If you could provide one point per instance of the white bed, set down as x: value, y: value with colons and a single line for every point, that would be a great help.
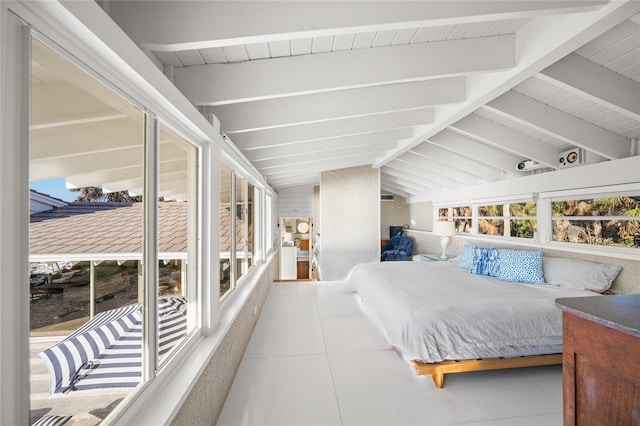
x: 435, y: 311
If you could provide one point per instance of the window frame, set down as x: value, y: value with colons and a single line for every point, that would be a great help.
x: 587, y: 196
x: 193, y: 262
x: 453, y: 207
x: 257, y: 212
x: 543, y: 237
x: 152, y: 368
x: 232, y: 224
x: 507, y: 218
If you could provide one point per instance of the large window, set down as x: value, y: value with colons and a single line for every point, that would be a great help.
x: 510, y: 220
x: 87, y: 285
x: 90, y: 236
x: 613, y: 221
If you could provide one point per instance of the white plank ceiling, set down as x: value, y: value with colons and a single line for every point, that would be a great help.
x: 437, y: 94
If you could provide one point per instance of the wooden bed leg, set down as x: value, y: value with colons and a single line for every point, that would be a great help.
x: 438, y: 379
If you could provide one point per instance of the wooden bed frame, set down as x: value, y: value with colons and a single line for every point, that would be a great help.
x: 437, y: 370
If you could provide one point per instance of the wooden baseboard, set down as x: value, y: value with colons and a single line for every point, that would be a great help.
x: 437, y: 370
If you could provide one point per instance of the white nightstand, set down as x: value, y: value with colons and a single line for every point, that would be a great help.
x: 429, y: 258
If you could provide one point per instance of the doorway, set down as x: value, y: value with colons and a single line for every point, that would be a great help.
x: 295, y: 248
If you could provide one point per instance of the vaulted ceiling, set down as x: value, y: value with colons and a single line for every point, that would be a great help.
x: 437, y: 94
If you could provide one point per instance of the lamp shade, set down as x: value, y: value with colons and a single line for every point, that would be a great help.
x: 444, y: 228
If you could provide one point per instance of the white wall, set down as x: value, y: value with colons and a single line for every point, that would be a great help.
x: 349, y: 219
x: 316, y: 209
x: 615, y: 172
x: 295, y: 202
x: 421, y: 216
x: 394, y: 212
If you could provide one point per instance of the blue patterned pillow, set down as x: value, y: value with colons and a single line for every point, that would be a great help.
x: 466, y: 258
x: 522, y: 266
x: 485, y: 261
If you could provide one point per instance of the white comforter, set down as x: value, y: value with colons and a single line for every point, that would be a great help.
x: 434, y: 311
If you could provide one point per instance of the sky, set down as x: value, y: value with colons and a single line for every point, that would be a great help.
x: 55, y: 188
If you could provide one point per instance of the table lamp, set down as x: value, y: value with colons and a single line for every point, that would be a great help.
x: 444, y: 229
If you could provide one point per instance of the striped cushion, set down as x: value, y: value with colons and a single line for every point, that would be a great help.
x: 52, y: 421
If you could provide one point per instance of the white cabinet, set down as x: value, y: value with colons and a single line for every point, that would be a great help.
x: 288, y: 265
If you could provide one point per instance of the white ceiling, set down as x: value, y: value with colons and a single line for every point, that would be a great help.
x: 437, y: 94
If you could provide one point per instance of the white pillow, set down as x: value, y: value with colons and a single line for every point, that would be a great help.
x: 579, y: 274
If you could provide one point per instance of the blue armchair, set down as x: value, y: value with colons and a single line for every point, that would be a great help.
x: 399, y: 247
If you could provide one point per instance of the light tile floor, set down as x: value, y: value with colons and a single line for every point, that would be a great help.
x: 317, y: 358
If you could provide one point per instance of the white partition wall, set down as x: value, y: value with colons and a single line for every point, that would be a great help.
x: 349, y: 219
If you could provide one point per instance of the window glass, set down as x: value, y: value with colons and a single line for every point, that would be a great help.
x: 226, y: 226
x: 241, y: 215
x: 86, y: 172
x: 268, y: 226
x: 460, y: 215
x: 509, y: 220
x: 611, y: 221
x: 251, y: 221
x: 177, y: 236
x: 116, y: 283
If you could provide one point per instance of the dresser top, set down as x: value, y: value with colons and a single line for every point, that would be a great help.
x: 620, y: 312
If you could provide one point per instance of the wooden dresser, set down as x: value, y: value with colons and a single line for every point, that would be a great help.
x: 601, y: 360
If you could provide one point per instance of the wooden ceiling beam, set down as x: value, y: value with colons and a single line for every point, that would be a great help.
x: 199, y: 25
x: 332, y: 129
x: 363, y: 140
x: 330, y: 155
x: 517, y: 143
x: 219, y: 84
x: 269, y: 113
x: 423, y: 164
x: 477, y: 151
x: 595, y: 83
x: 560, y: 125
x: 399, y: 169
x: 458, y: 162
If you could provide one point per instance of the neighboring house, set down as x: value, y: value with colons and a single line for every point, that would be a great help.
x: 109, y: 235
x: 39, y: 202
